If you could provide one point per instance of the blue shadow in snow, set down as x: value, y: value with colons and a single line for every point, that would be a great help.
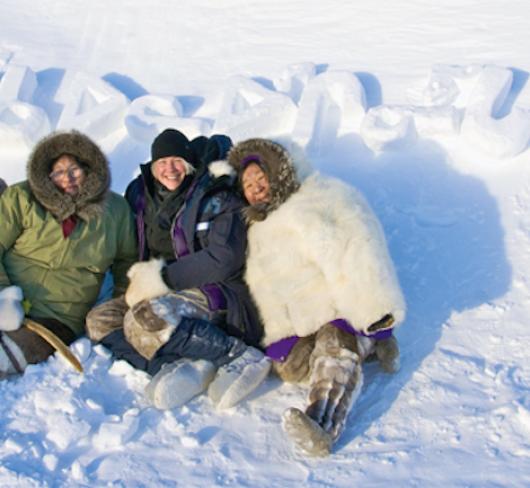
x: 125, y: 84
x: 264, y: 82
x: 445, y: 237
x: 190, y: 104
x: 48, y: 81
x: 520, y: 78
x: 372, y: 88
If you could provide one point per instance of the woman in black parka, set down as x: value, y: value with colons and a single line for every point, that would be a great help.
x: 187, y: 311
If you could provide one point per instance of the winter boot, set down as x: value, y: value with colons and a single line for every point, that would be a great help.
x: 296, y: 368
x: 387, y: 351
x: 315, y: 430
x: 238, y: 378
x: 336, y: 380
x: 177, y: 383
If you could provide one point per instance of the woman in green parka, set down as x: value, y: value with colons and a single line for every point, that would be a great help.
x: 60, y: 231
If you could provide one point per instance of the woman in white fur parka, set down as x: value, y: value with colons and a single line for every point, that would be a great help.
x: 326, y: 289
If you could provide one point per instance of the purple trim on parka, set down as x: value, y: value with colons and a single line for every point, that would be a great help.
x: 251, y: 158
x: 216, y: 298
x: 344, y: 325
x: 279, y: 350
x: 140, y: 222
x: 179, y: 238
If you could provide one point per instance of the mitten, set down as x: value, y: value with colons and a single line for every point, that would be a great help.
x: 145, y: 281
x: 11, y: 310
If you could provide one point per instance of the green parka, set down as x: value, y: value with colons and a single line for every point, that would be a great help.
x: 61, y: 277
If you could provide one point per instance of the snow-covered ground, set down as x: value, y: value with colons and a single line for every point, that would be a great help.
x: 422, y: 105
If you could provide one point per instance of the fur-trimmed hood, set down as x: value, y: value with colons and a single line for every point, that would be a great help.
x: 279, y: 167
x: 92, y: 195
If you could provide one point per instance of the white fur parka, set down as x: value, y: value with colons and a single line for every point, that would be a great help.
x: 319, y: 256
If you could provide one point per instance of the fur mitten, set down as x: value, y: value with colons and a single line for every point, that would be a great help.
x: 145, y: 341
x: 145, y: 281
x: 149, y: 324
x: 11, y: 310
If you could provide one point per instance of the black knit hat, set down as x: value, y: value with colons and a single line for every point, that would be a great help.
x: 172, y: 142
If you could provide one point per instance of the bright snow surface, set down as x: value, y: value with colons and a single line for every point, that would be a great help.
x: 422, y: 105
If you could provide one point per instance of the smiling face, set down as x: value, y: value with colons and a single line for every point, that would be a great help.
x: 255, y: 183
x: 170, y: 171
x: 67, y: 175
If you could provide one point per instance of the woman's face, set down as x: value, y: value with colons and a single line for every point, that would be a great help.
x: 169, y: 171
x: 67, y: 175
x: 255, y: 183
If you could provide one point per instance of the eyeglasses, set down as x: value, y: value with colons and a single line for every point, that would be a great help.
x: 72, y: 172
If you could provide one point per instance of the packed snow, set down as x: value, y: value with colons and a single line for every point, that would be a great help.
x: 424, y: 106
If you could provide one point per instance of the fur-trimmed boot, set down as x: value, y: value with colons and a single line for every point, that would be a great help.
x: 106, y: 318
x: 335, y: 382
x: 296, y: 366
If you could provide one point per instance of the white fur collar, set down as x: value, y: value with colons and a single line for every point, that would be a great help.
x: 221, y: 168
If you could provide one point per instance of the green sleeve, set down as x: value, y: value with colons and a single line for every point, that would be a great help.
x: 10, y: 226
x: 127, y: 253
